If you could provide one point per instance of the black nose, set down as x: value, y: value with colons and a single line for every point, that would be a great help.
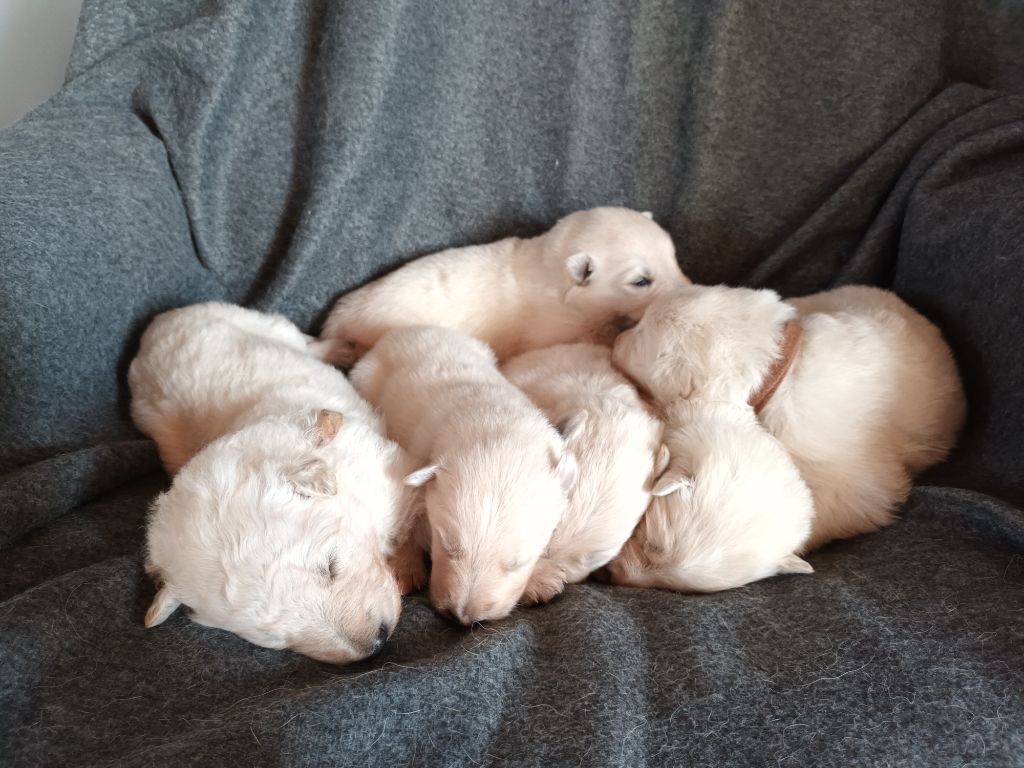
x: 378, y: 644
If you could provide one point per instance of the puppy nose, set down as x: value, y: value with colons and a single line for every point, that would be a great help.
x: 378, y: 643
x: 470, y: 614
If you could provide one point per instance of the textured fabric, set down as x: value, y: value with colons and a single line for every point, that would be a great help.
x: 278, y: 154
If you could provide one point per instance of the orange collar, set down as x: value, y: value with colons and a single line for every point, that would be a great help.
x: 792, y: 336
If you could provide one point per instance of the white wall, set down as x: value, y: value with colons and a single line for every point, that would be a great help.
x: 35, y: 43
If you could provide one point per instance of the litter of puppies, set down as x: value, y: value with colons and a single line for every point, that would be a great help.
x: 498, y: 425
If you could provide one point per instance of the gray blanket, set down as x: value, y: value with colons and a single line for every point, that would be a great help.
x: 277, y: 154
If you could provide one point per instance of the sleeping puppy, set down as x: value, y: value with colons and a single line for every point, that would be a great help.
x: 286, y: 497
x: 496, y: 472
x: 573, y: 283
x: 730, y: 509
x: 859, y: 388
x: 617, y: 444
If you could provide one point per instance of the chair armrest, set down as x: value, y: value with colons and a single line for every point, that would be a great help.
x: 94, y: 240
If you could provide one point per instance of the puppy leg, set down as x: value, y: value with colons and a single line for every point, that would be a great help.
x: 409, y: 565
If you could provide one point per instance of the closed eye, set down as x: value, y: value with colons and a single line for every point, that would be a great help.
x: 642, y: 282
x: 514, y: 565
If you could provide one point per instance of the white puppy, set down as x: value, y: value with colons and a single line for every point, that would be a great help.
x: 730, y: 509
x: 617, y: 443
x: 280, y: 521
x: 573, y: 283
x: 496, y: 472
x: 871, y: 395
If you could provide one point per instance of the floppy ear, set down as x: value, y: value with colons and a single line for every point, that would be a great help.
x: 312, y: 478
x: 326, y: 427
x: 164, y: 604
x: 580, y: 267
x: 422, y: 476
x: 794, y: 564
x: 572, y: 426
x: 676, y: 477
x: 647, y: 215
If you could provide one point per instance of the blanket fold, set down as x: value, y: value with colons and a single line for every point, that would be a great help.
x: 279, y: 154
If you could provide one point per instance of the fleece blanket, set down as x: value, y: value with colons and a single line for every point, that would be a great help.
x: 276, y: 154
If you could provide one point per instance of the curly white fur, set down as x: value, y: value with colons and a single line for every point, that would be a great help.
x: 286, y: 498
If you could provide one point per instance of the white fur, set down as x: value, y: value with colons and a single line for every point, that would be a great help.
x: 730, y: 509
x: 495, y: 470
x: 616, y: 441
x: 572, y: 283
x: 277, y: 525
x: 872, y: 397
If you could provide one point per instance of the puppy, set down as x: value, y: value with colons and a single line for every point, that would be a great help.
x: 861, y: 390
x: 286, y: 496
x: 572, y: 283
x: 496, y: 472
x: 617, y: 444
x: 730, y: 509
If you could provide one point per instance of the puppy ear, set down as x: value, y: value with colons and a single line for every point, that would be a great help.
x: 164, y: 604
x: 422, y: 476
x: 566, y: 468
x: 676, y: 477
x: 647, y: 215
x: 661, y: 461
x: 312, y: 479
x: 580, y: 267
x: 670, y: 482
x: 573, y: 425
x: 794, y: 564
x: 326, y: 427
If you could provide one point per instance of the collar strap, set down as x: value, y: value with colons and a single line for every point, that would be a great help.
x: 792, y: 336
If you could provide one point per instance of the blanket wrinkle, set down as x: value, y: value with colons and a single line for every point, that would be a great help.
x: 280, y: 154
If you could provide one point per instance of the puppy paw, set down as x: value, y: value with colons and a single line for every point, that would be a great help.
x: 546, y: 582
x: 337, y: 352
x: 410, y: 569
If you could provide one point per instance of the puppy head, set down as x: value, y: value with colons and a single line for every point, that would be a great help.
x: 704, y: 341
x: 614, y: 261
x: 279, y: 533
x: 692, y: 541
x: 492, y: 508
x: 619, y: 451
